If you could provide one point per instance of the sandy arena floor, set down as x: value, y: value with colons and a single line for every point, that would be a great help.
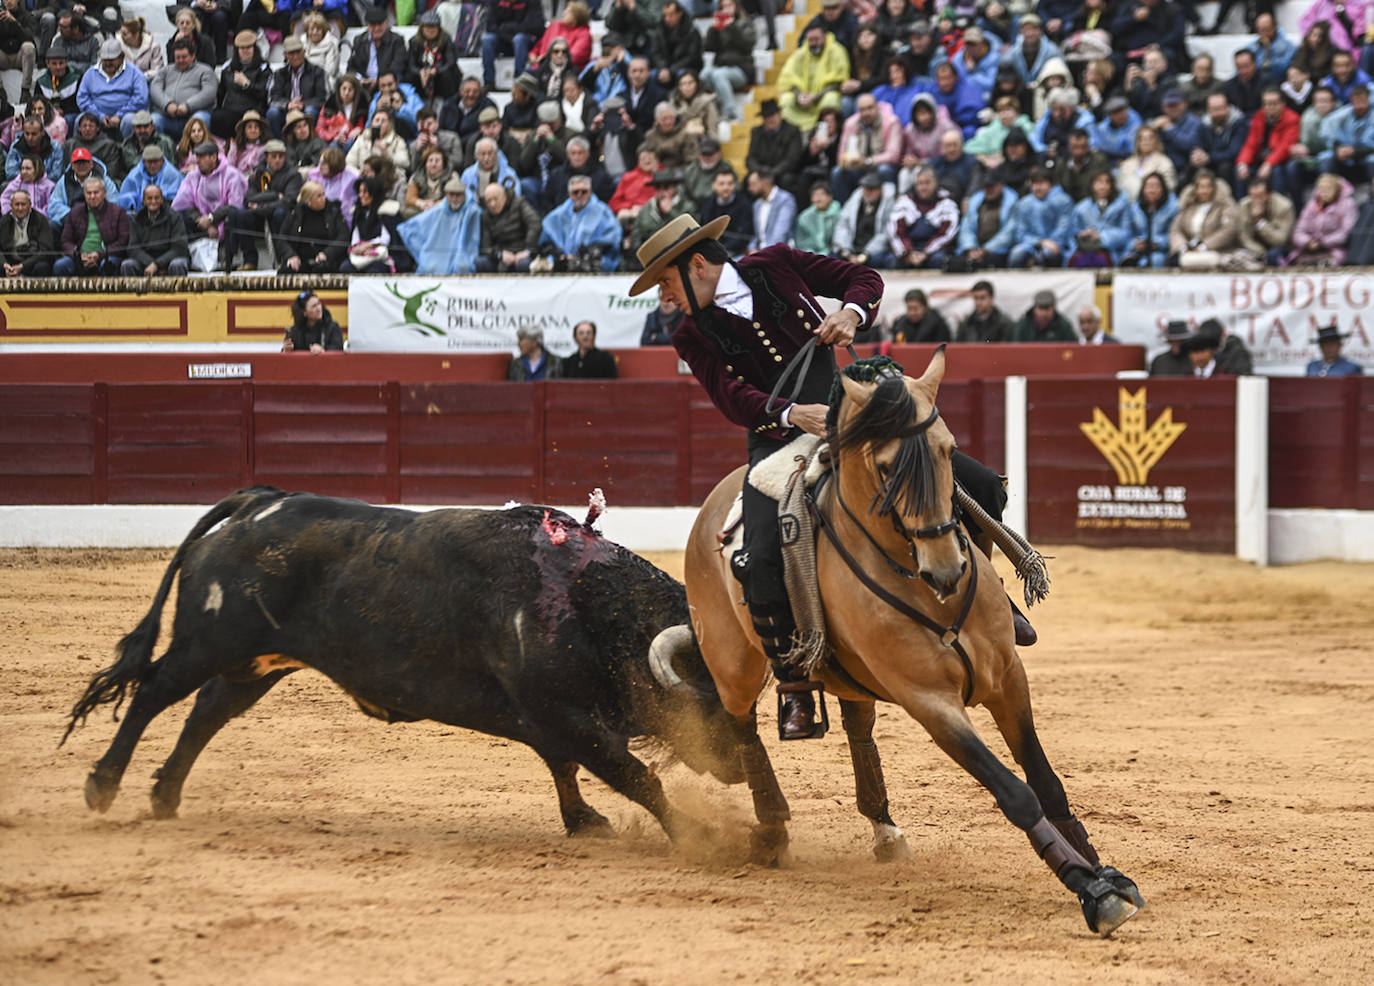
x: 1210, y: 720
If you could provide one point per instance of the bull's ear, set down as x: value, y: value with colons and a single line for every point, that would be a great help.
x: 856, y: 390
x: 935, y: 371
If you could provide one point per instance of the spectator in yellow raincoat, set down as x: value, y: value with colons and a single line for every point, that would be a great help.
x: 811, y: 79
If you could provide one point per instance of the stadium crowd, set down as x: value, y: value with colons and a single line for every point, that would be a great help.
x: 957, y: 135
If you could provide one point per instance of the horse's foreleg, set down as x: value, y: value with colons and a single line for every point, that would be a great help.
x: 1105, y: 907
x: 1011, y: 709
x: 870, y: 790
x: 768, y: 842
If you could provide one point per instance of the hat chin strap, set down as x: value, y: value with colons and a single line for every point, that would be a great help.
x: 684, y: 268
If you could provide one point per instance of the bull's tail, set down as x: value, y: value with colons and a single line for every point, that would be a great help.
x: 135, y: 651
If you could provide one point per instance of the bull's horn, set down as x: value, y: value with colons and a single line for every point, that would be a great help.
x: 667, y: 645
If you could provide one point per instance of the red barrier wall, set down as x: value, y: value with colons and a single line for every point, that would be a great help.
x: 1321, y: 442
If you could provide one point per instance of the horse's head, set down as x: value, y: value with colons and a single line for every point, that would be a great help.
x: 901, y: 450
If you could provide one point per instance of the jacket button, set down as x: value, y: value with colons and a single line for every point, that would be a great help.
x: 756, y: 325
x: 729, y: 368
x: 777, y: 359
x: 806, y: 325
x: 761, y: 332
x: 772, y: 349
x: 766, y: 342
x: 740, y: 379
x: 800, y: 313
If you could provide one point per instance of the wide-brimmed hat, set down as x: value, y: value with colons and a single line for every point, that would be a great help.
x: 668, y: 244
x: 664, y: 177
x: 1177, y: 330
x: 293, y: 117
x: 1207, y: 336
x: 768, y: 107
x: 1330, y: 333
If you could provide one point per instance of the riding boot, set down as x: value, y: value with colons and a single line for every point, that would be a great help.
x: 1025, y: 633
x: 774, y: 624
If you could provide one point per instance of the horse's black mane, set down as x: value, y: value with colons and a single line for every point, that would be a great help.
x: 910, y: 487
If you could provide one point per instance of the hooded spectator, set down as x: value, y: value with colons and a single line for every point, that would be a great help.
x: 447, y: 238
x: 1325, y: 223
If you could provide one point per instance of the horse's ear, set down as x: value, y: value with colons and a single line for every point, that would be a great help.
x: 935, y: 372
x: 857, y: 391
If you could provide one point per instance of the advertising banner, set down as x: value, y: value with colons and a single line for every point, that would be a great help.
x: 1275, y: 313
x: 1133, y: 463
x: 481, y: 314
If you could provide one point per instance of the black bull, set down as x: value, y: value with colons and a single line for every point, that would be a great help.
x: 520, y: 623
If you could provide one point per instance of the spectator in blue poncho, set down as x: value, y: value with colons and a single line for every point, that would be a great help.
x: 153, y: 169
x: 445, y: 239
x: 582, y: 234
x: 490, y: 166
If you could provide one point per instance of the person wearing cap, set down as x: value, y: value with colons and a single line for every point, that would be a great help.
x: 811, y: 77
x: 243, y: 86
x: 1350, y: 136
x: 513, y: 26
x: 1179, y: 130
x: 314, y: 237
x: 1042, y: 322
x: 544, y: 150
x: 144, y: 134
x: 95, y: 235
x: 17, y: 50
x: 605, y: 76
x: 1114, y: 134
x: 464, y: 113
x: 1038, y: 234
x: 519, y: 116
x: 775, y: 144
x: 33, y: 140
x: 447, y: 238
x: 153, y: 168
x: 491, y: 128
x: 303, y: 145
x: 1202, y: 349
x: 297, y: 86
x: 582, y: 234
x: 699, y: 176
x: 1173, y: 362
x: 273, y: 189
x: 114, y: 90
x: 1031, y: 50
x: 732, y: 37
x: 919, y: 49
x: 836, y: 20
x: 71, y: 187
x: 977, y: 61
x: 208, y: 192
x: 666, y: 205
x: 1332, y: 363
x: 58, y: 81
x: 989, y: 211
x: 157, y: 238
x: 380, y: 50
x: 28, y: 246
x: 861, y: 232
x: 183, y: 89
x: 431, y: 61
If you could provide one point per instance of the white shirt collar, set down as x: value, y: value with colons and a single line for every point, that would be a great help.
x: 732, y: 294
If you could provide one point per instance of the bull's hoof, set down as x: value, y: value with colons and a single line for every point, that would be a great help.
x: 768, y: 846
x: 588, y: 823
x: 1106, y: 908
x: 100, y: 792
x: 165, y: 805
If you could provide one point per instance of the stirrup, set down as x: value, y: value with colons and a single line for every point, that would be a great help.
x: 818, y: 729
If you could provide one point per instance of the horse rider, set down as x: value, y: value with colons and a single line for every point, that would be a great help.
x: 745, y: 321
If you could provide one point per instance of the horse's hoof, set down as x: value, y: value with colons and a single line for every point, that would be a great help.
x: 588, y: 823
x: 99, y: 794
x: 889, y: 845
x: 1124, y: 885
x: 768, y: 846
x: 1112, y: 913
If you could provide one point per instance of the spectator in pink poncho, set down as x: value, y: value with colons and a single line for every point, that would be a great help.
x: 338, y: 179
x: 31, y: 179
x: 209, y: 191
x: 1347, y: 27
x: 1323, y: 229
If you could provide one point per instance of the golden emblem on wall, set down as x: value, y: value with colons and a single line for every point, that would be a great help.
x: 1131, y: 447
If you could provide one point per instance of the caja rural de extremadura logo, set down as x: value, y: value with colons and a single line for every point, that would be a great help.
x: 1132, y: 449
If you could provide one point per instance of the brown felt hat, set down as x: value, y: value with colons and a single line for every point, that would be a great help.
x: 245, y: 38
x: 668, y: 244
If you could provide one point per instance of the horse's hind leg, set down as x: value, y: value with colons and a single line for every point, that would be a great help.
x: 219, y: 700
x: 870, y: 790
x: 176, y: 675
x: 579, y: 818
x: 1105, y: 907
x: 1011, y: 709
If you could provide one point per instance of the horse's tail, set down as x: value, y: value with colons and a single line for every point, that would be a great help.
x: 135, y: 651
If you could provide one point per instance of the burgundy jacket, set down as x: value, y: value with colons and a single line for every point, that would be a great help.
x: 739, y: 361
x: 114, y: 229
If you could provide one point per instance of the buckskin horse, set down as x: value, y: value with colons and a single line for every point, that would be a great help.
x: 934, y: 638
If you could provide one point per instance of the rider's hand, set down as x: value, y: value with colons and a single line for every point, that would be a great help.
x: 810, y: 418
x: 838, y: 329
